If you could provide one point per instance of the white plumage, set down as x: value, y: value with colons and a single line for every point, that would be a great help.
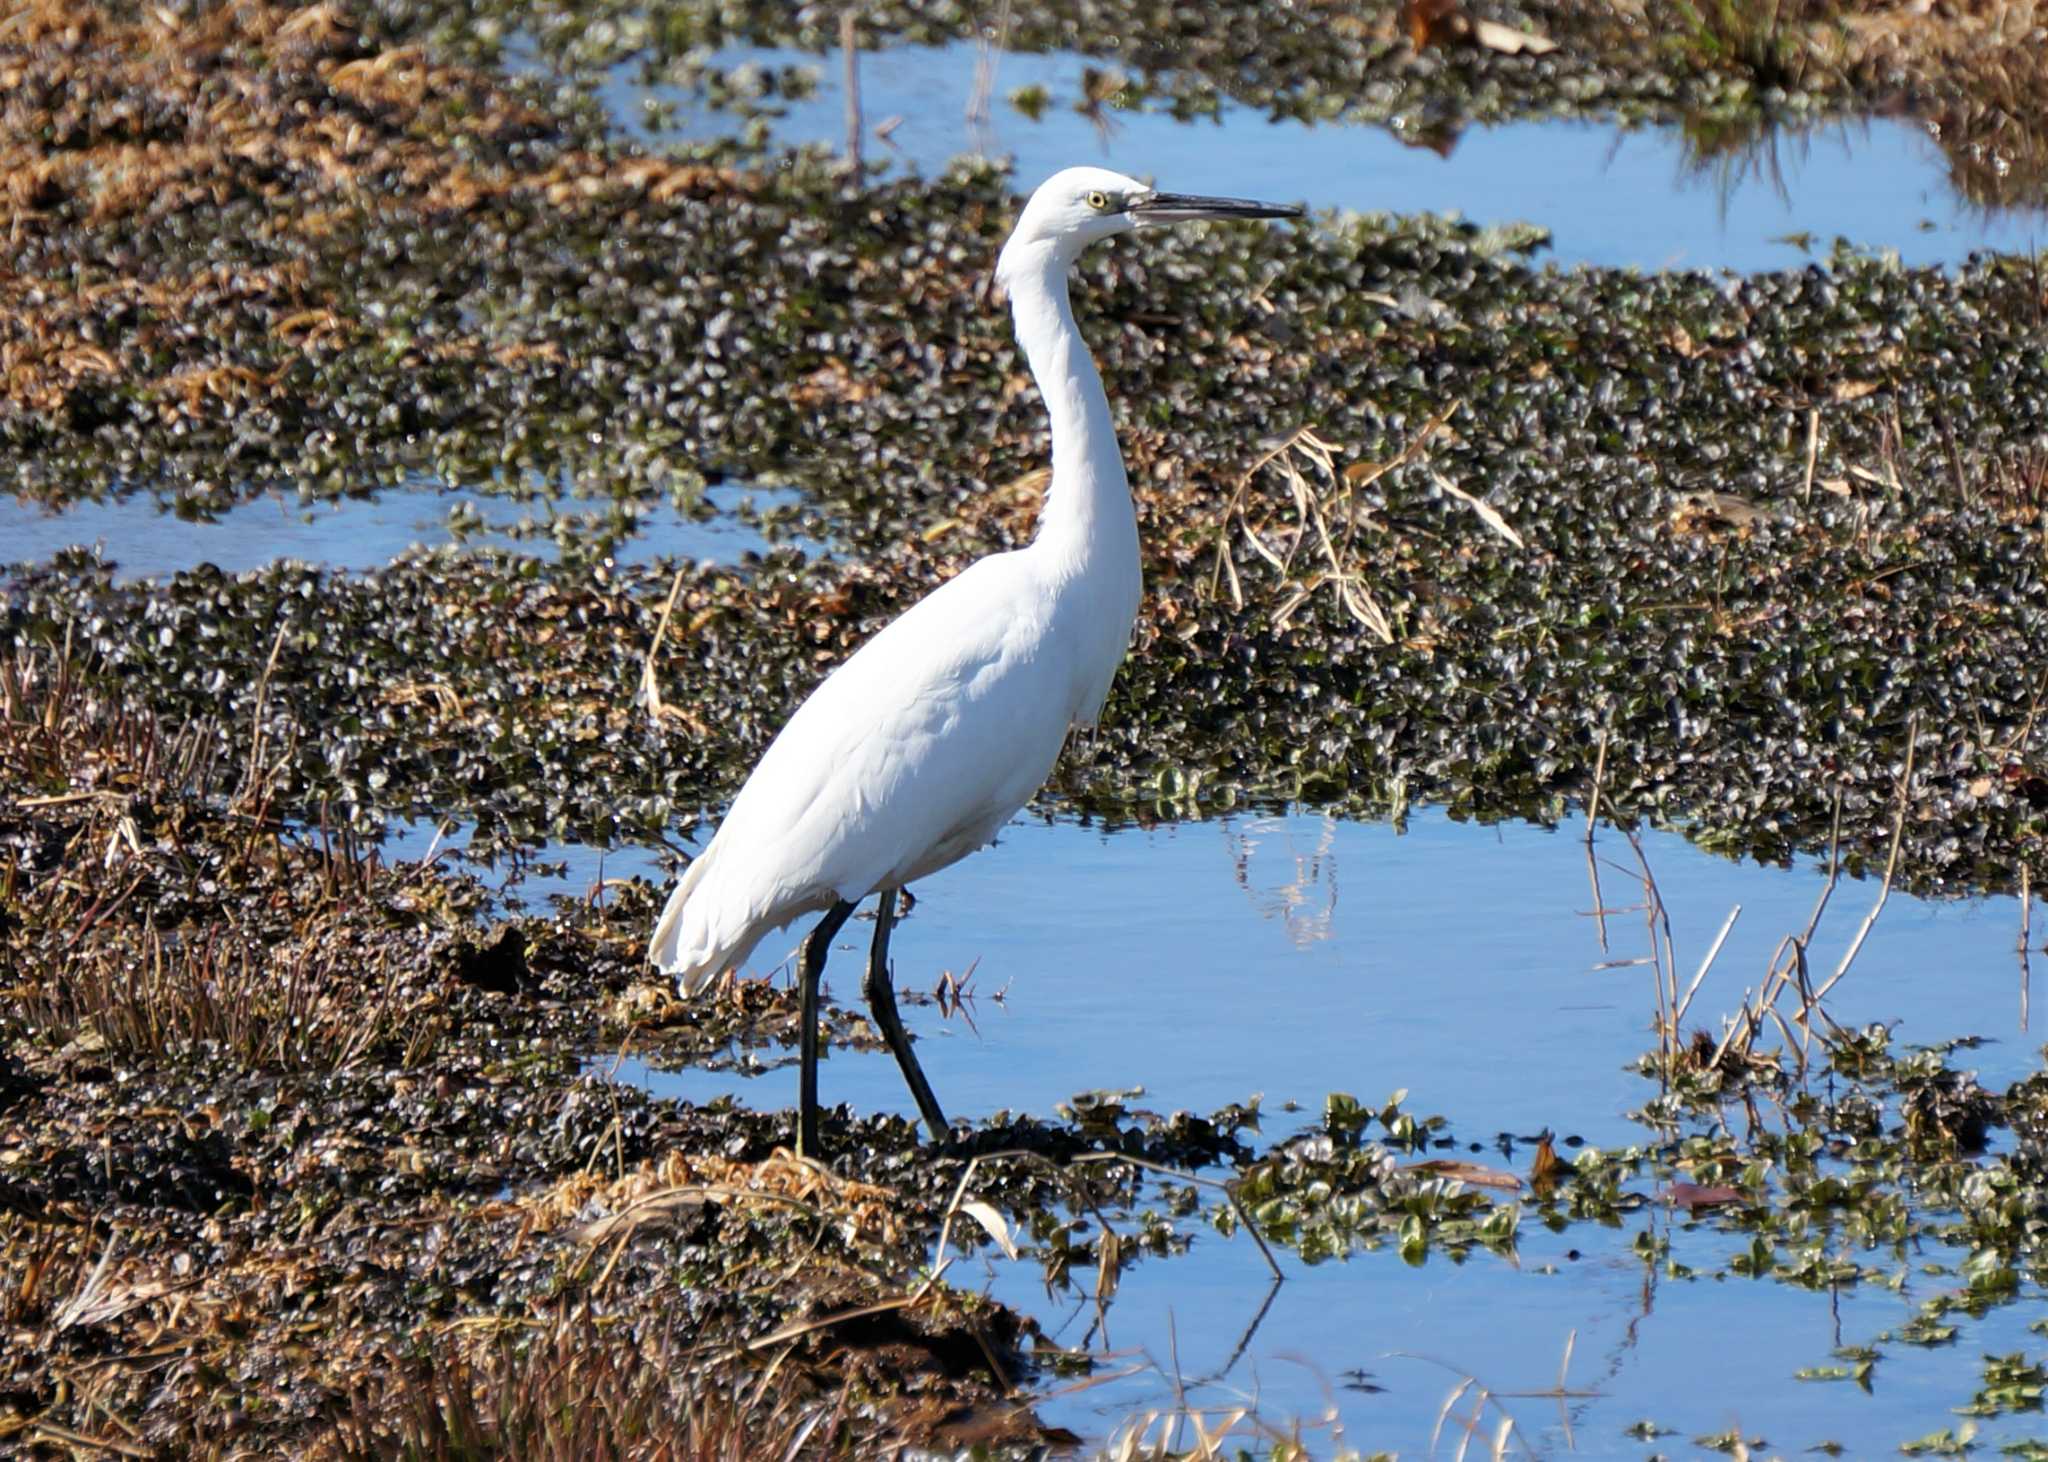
x: 919, y: 748
x: 911, y: 755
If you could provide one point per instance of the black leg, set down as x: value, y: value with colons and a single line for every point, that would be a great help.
x: 882, y: 1001
x: 810, y: 967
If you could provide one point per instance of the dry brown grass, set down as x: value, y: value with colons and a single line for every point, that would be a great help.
x: 578, y: 1388
x: 301, y: 1005
x: 1976, y: 73
x: 1973, y: 72
x: 121, y: 931
x: 864, y: 1210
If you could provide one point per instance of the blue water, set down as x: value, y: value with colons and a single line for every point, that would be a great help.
x: 145, y: 541
x: 1608, y: 194
x: 1291, y: 956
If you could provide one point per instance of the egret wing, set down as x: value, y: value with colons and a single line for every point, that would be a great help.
x: 905, y: 758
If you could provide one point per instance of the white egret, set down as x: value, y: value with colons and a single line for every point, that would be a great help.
x: 919, y: 748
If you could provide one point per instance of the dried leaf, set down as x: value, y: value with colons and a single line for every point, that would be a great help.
x: 1509, y: 41
x: 652, y: 1208
x: 1486, y: 512
x: 1476, y: 1174
x: 1431, y: 22
x: 1851, y: 390
x: 1109, y: 1253
x: 993, y: 1223
x: 1694, y: 1195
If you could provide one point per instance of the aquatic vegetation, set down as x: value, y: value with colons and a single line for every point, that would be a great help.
x: 1883, y: 475
x: 1424, y: 69
x: 1775, y: 41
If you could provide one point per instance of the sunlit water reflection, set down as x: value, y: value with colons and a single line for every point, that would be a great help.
x: 1297, y: 955
x: 1608, y: 194
x: 370, y: 531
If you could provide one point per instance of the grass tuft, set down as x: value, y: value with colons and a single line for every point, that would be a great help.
x: 129, y: 913
x: 578, y: 1388
x: 1776, y: 42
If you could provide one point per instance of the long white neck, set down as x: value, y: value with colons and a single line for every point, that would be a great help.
x: 1088, y: 510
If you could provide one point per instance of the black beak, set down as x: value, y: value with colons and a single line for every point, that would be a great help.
x: 1182, y: 207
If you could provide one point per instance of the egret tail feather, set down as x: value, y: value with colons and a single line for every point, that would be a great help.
x: 680, y: 947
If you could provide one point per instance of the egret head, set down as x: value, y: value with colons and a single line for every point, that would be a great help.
x: 1075, y: 207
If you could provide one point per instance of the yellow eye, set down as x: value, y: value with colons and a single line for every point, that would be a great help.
x: 1099, y: 202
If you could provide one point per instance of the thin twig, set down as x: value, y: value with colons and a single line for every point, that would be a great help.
x: 849, y: 47
x: 1653, y: 914
x: 1812, y: 451
x: 986, y: 56
x: 2026, y: 939
x: 1750, y: 1021
x: 1593, y: 802
x: 1706, y: 964
x: 1780, y: 977
x: 1891, y: 867
x: 650, y: 689
x: 1592, y: 820
x: 1834, y: 871
x: 800, y: 1328
x: 72, y: 1439
x: 253, y: 774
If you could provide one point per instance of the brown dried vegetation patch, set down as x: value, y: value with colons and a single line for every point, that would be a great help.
x: 611, y: 1206
x: 114, y: 124
x: 263, y: 1098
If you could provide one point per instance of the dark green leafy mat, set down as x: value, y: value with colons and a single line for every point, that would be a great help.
x: 1744, y: 659
x: 1739, y: 530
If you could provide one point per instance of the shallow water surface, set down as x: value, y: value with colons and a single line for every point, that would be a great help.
x: 1297, y: 955
x: 369, y: 531
x: 1292, y: 956
x: 1608, y: 194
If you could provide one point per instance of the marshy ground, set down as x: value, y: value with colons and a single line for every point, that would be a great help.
x: 298, y: 1148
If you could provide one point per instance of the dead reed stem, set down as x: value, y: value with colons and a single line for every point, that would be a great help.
x: 650, y: 687
x: 1322, y: 496
x: 1599, y: 776
x: 2026, y: 939
x: 1891, y: 868
x: 1663, y: 976
x: 1713, y: 953
x: 849, y: 50
x: 253, y: 776
x: 1592, y: 820
x: 986, y: 55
